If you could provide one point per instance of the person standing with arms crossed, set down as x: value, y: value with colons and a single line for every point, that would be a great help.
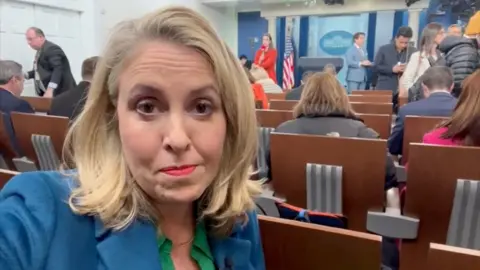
x: 51, y: 68
x: 266, y: 57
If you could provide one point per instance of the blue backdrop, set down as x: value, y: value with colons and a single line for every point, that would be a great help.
x: 250, y: 25
x: 332, y: 36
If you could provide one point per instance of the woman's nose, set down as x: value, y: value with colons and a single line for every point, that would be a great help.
x: 176, y: 138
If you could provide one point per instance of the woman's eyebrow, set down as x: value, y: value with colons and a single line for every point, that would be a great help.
x: 145, y: 89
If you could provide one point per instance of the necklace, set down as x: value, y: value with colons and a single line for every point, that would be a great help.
x: 185, y: 242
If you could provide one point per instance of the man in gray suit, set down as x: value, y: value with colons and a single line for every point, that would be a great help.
x: 357, y: 62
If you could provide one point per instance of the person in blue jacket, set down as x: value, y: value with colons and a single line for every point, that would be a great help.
x: 160, y: 157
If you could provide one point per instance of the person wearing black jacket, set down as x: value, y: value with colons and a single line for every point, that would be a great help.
x: 461, y: 53
x: 71, y: 103
x: 51, y: 68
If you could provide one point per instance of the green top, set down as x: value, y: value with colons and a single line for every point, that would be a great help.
x: 200, y: 251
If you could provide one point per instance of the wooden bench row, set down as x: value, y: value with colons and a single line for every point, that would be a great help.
x: 432, y: 177
x: 27, y: 125
x: 363, y: 163
x: 39, y: 104
x: 296, y: 245
x: 415, y: 126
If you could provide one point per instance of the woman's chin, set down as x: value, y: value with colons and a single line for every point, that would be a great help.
x: 182, y: 194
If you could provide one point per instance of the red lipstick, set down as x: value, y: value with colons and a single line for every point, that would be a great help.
x: 179, y: 170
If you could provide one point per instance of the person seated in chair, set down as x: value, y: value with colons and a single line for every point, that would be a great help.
x: 437, y: 86
x: 70, y: 103
x: 11, y: 87
x: 324, y: 110
x: 296, y: 93
x: 463, y: 127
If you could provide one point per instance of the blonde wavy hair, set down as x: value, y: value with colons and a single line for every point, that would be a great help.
x: 106, y: 188
x: 323, y: 95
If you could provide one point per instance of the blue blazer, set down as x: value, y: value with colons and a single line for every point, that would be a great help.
x: 38, y: 231
x: 437, y: 104
x: 355, y: 72
x: 10, y: 103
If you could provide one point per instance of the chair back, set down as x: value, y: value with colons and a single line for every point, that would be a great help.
x: 434, y: 170
x: 39, y: 104
x: 6, y: 175
x: 362, y: 187
x: 28, y: 125
x: 443, y: 257
x: 370, y: 98
x: 291, y: 244
x: 414, y: 129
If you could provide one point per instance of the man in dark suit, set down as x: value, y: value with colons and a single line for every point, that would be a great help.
x: 296, y: 93
x: 437, y: 86
x: 70, y: 103
x: 391, y: 59
x: 11, y: 87
x: 51, y: 68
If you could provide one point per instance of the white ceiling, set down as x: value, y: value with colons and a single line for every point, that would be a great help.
x: 314, y: 5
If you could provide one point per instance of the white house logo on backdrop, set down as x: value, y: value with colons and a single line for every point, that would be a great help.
x: 336, y: 42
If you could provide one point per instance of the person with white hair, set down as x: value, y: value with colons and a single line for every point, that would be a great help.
x: 261, y: 77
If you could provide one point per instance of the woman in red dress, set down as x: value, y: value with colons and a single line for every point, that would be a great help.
x: 266, y: 57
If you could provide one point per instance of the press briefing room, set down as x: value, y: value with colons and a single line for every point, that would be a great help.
x: 239, y: 134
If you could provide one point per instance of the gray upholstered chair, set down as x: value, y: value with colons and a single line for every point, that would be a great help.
x: 266, y: 204
x: 324, y: 188
x: 263, y: 147
x: 464, y: 227
x: 45, y: 151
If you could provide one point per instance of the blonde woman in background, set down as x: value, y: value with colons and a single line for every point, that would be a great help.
x: 162, y: 167
x: 261, y: 77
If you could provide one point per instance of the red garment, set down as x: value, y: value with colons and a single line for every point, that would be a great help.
x: 268, y: 63
x: 259, y: 94
x: 433, y: 137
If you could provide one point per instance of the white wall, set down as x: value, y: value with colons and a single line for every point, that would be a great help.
x: 383, y: 31
x: 97, y: 17
x: 224, y: 20
x: 69, y: 23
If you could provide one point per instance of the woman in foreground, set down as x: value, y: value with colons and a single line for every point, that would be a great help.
x: 162, y: 168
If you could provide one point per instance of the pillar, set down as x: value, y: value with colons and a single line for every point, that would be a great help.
x: 272, y: 29
x: 414, y: 23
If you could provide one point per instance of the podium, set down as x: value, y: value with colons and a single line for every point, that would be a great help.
x: 316, y: 64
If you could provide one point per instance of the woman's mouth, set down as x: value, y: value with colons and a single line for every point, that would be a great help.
x: 183, y: 170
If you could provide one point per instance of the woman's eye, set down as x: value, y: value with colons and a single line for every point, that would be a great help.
x: 203, y: 107
x: 146, y: 107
